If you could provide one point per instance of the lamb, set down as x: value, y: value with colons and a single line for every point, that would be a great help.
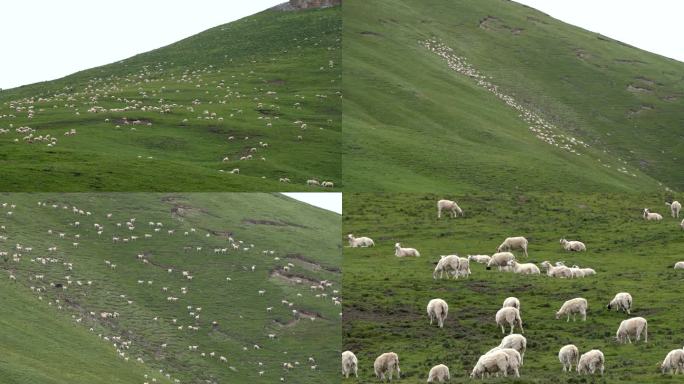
x: 494, y: 362
x: 450, y: 206
x: 621, y: 302
x: 313, y: 182
x: 403, y: 252
x: 511, y: 316
x: 679, y: 265
x: 568, y: 355
x: 437, y: 309
x: 557, y: 271
x: 356, y: 242
x: 328, y: 184
x: 524, y: 269
x: 500, y: 259
x: 438, y: 373
x: 386, y: 364
x: 652, y: 216
x: 517, y: 342
x: 512, y: 243
x: 675, y: 207
x: 573, y: 245
x: 591, y: 361
x: 481, y: 259
x: 511, y: 302
x: 350, y: 364
x: 674, y: 362
x: 573, y: 307
x: 453, y: 264
x: 634, y: 326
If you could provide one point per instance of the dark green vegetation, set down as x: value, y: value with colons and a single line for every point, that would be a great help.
x: 55, y: 326
x: 385, y: 297
x: 413, y: 124
x: 166, y: 119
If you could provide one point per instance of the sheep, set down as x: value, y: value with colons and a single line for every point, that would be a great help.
x: 515, y: 341
x: 675, y: 207
x: 386, y: 364
x: 356, y: 242
x: 481, y: 259
x: 450, y: 206
x: 591, y: 361
x: 350, y: 364
x: 634, y: 326
x: 652, y: 216
x: 679, y: 265
x: 524, y: 269
x: 568, y: 355
x: 511, y: 243
x: 327, y: 184
x: 514, y: 360
x: 673, y: 363
x: 511, y: 316
x: 437, y: 309
x: 403, y: 252
x: 457, y: 266
x: 682, y: 224
x: 313, y: 182
x: 557, y: 271
x: 573, y: 245
x: 621, y: 302
x: 438, y: 373
x: 494, y: 362
x: 573, y: 307
x: 511, y: 302
x: 500, y: 259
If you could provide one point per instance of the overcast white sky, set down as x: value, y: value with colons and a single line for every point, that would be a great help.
x: 332, y: 201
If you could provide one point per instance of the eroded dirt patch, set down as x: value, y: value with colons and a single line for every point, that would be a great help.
x: 310, y: 264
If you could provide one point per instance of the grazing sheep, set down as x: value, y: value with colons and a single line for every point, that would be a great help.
x: 512, y: 243
x: 679, y: 265
x: 449, y: 206
x: 621, y: 302
x: 350, y: 364
x: 437, y: 309
x: 517, y: 342
x: 524, y: 269
x: 327, y: 184
x: 511, y: 302
x: 481, y: 259
x: 673, y: 363
x: 591, y: 361
x: 356, y: 242
x: 652, y: 216
x: 632, y: 327
x: 573, y: 307
x: 568, y: 355
x: 452, y: 264
x: 438, y: 373
x: 511, y: 316
x: 313, y: 182
x: 573, y: 245
x: 491, y: 363
x: 500, y: 259
x: 403, y: 252
x: 675, y: 207
x: 386, y: 364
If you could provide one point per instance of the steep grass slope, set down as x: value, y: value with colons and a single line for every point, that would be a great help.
x: 435, y: 127
x: 177, y: 296
x: 385, y: 297
x: 182, y: 116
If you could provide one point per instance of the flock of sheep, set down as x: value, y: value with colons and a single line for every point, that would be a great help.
x: 507, y: 358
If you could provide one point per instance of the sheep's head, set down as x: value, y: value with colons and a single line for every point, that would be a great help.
x: 610, y: 305
x: 350, y: 236
x: 558, y: 315
x: 397, y: 245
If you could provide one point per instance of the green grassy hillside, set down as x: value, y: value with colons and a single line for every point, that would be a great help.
x: 412, y: 123
x: 55, y: 302
x: 166, y: 119
x: 385, y: 297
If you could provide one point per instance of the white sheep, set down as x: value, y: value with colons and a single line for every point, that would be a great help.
x: 313, y: 182
x: 573, y: 307
x: 449, y: 206
x: 634, y: 326
x: 327, y: 184
x: 511, y: 302
x: 386, y: 364
x: 356, y: 242
x: 573, y: 245
x: 621, y: 302
x: 438, y: 373
x: 517, y: 342
x: 350, y: 364
x: 403, y: 252
x: 512, y: 243
x: 557, y: 271
x: 511, y: 316
x: 437, y: 309
x: 500, y: 259
x: 568, y: 355
x: 452, y: 264
x: 674, y: 362
x: 591, y: 361
x: 491, y: 363
x: 679, y: 265
x: 481, y: 259
x: 652, y: 216
x: 682, y: 224
x: 525, y: 268
x: 675, y: 207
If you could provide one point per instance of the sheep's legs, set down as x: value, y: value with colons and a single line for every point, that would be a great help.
x: 502, y: 329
